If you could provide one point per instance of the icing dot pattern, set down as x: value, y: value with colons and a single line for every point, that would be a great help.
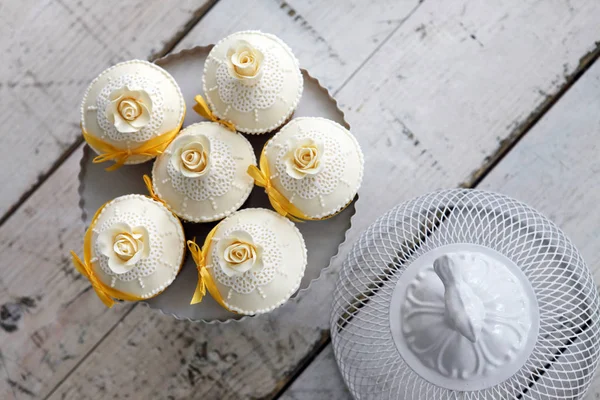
x: 144, y: 267
x: 272, y: 260
x: 133, y: 81
x: 216, y: 182
x: 256, y: 97
x: 321, y: 184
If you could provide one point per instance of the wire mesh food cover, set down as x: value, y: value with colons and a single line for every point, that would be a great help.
x: 465, y: 294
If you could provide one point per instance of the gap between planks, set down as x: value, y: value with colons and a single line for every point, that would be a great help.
x: 166, y: 49
x: 110, y: 330
x: 489, y: 164
x: 519, y: 132
x: 476, y: 178
x: 383, y: 42
x: 323, y: 340
x: 169, y: 46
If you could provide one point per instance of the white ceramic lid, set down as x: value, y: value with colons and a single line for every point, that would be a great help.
x: 213, y: 182
x: 464, y: 317
x: 130, y: 103
x: 137, y: 246
x: 260, y: 285
x: 253, y: 80
x: 333, y: 165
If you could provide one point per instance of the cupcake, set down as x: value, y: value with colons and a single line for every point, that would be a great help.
x: 202, y: 175
x: 311, y: 169
x: 133, y: 249
x: 131, y: 112
x: 252, y: 262
x: 253, y: 80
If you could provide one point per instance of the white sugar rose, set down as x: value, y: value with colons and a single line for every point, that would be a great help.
x: 245, y: 61
x: 129, y: 109
x: 238, y: 253
x: 192, y: 156
x: 124, y: 246
x: 304, y: 158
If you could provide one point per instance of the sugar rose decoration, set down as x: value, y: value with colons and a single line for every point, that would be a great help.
x: 129, y: 109
x: 245, y: 61
x: 124, y: 246
x: 192, y: 157
x: 238, y: 253
x: 304, y: 158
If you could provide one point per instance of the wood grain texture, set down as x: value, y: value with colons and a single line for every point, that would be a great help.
x: 431, y: 95
x: 430, y: 108
x: 555, y: 169
x: 49, y: 319
x: 331, y: 39
x: 320, y: 381
x: 54, y: 337
x: 51, y: 52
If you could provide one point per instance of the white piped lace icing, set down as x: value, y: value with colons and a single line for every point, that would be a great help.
x: 246, y: 98
x: 290, y: 102
x: 156, y: 117
x: 271, y: 257
x: 215, y: 183
x: 321, y: 184
x: 155, y: 259
x: 144, y: 267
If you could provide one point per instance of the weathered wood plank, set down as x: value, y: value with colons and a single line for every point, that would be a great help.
x: 54, y: 337
x: 320, y: 381
x: 430, y: 107
x: 554, y: 168
x: 332, y: 39
x: 48, y: 318
x: 52, y: 50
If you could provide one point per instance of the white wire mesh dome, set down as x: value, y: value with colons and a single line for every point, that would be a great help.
x: 529, y: 326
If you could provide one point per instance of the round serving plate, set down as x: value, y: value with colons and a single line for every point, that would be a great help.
x: 96, y: 187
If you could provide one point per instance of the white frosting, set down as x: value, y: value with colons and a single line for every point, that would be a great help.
x: 158, y: 246
x: 221, y: 188
x: 163, y: 111
x: 333, y: 175
x: 273, y: 276
x: 253, y: 80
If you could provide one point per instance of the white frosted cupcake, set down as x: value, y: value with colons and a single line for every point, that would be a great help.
x: 131, y: 111
x: 316, y: 165
x: 256, y: 259
x: 133, y: 249
x: 253, y: 80
x: 202, y: 175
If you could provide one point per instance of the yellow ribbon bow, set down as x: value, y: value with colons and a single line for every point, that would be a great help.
x: 202, y: 108
x: 262, y: 178
x: 151, y: 191
x: 150, y: 148
x: 205, y: 281
x: 104, y: 292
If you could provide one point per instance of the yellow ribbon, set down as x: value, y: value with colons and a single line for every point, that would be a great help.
x: 104, y: 292
x: 202, y: 108
x: 152, y: 193
x: 205, y: 281
x: 262, y: 178
x: 150, y: 148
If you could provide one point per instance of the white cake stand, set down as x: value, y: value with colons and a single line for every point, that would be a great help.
x: 322, y: 238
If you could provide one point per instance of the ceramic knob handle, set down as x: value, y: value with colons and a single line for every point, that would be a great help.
x: 464, y: 309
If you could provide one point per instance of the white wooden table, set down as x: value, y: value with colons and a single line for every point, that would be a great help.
x: 502, y: 95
